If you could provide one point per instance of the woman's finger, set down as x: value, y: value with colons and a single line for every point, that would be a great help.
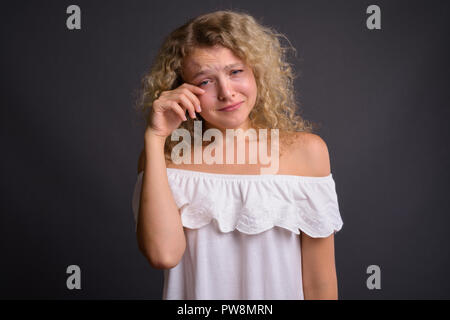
x: 188, y: 104
x: 178, y: 109
x: 194, y: 99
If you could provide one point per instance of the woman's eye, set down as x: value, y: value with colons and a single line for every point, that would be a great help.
x: 206, y: 81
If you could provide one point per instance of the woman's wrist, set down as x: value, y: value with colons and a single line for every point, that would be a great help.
x: 151, y: 135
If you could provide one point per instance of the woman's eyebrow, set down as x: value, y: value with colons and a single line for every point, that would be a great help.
x: 204, y: 71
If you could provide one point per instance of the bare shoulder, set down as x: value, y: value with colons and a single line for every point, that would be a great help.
x: 312, y: 151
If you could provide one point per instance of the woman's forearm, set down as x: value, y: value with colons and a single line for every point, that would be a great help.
x: 321, y: 291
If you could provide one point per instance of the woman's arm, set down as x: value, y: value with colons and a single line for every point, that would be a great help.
x: 318, y: 262
x: 318, y: 268
x: 160, y: 233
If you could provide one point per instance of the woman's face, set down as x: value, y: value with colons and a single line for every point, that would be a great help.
x: 226, y: 81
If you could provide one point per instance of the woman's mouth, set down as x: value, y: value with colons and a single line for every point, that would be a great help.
x: 232, y: 107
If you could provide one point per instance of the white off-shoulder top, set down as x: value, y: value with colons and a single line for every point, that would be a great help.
x: 242, y: 232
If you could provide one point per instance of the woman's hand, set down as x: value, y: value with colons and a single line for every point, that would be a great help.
x: 169, y: 110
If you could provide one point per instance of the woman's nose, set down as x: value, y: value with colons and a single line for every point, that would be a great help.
x: 225, y: 90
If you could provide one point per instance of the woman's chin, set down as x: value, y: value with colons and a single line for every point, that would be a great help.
x: 230, y: 121
x: 231, y: 124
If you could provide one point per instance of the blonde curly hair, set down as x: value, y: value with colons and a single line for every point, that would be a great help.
x: 256, y: 45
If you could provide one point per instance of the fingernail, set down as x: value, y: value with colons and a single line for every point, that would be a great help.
x: 199, y: 109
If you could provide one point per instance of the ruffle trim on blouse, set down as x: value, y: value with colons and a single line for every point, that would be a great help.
x: 253, y: 204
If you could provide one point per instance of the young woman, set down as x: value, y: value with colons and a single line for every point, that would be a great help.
x: 223, y: 230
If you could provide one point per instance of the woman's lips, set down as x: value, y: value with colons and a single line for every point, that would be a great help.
x: 232, y: 108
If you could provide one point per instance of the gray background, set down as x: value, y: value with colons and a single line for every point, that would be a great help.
x: 71, y: 138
